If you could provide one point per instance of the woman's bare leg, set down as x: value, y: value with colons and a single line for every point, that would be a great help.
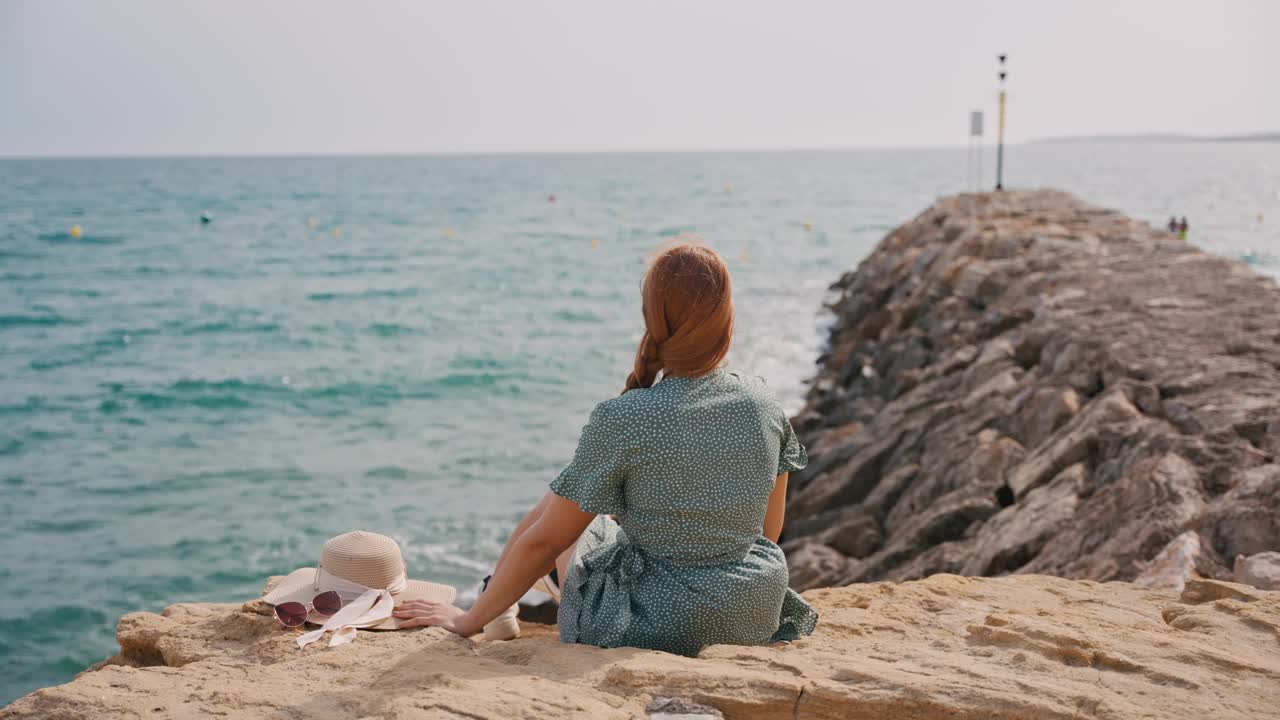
x: 529, y: 519
x: 566, y: 557
x: 562, y: 563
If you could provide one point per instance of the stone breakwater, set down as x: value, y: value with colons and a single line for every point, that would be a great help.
x: 1025, y: 383
x: 1013, y: 648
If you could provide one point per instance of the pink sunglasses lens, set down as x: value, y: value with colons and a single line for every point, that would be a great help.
x: 327, y: 603
x: 292, y: 614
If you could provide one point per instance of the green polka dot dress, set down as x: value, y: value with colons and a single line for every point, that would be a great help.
x: 686, y: 467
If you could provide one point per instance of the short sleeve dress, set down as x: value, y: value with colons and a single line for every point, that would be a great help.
x: 686, y: 467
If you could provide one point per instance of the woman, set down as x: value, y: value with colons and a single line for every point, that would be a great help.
x: 663, y: 529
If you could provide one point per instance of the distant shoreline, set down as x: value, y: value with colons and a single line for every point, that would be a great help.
x: 1163, y: 137
x: 497, y: 153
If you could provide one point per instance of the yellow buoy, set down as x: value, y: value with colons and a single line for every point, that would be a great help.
x: 728, y: 188
x: 743, y: 256
x: 808, y: 226
x: 1259, y: 218
x: 449, y: 232
x: 595, y: 243
x: 76, y: 231
x: 337, y: 232
x: 311, y: 223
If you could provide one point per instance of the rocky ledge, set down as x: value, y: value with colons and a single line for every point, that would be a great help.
x: 1024, y: 383
x: 953, y: 647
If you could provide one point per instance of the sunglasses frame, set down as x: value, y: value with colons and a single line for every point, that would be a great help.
x: 308, y: 608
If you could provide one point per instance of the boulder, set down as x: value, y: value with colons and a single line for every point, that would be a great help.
x: 1261, y: 570
x: 815, y: 565
x: 1175, y: 565
x: 1015, y: 535
x: 1246, y: 519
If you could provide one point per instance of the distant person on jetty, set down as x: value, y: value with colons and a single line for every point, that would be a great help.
x: 662, y: 531
x: 1173, y: 225
x: 1182, y: 228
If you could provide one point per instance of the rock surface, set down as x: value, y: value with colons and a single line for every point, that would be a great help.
x: 954, y: 647
x: 1024, y: 383
x: 1261, y: 570
x: 1176, y: 564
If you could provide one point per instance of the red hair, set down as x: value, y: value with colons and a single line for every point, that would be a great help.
x: 688, y: 315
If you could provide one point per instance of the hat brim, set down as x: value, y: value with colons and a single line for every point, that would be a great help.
x: 298, y: 586
x: 417, y: 590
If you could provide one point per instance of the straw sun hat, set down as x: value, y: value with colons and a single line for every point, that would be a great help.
x: 350, y: 564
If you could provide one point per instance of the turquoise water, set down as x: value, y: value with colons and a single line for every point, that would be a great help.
x: 186, y: 408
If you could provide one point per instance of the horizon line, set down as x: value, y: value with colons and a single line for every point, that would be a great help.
x: 474, y: 153
x: 1258, y: 135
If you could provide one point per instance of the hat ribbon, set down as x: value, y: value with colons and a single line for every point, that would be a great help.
x: 372, y: 606
x: 395, y: 587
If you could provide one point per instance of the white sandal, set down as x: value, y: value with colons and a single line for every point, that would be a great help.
x: 546, y: 585
x: 505, y: 626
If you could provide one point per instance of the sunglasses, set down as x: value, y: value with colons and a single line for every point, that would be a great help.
x: 294, y: 614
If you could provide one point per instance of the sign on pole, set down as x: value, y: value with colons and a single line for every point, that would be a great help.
x: 975, y: 123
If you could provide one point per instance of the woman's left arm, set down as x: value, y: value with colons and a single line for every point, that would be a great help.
x: 777, y: 511
x: 532, y: 556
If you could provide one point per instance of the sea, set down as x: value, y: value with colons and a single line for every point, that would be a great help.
x: 410, y: 344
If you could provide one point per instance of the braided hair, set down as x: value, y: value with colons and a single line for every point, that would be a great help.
x: 688, y: 314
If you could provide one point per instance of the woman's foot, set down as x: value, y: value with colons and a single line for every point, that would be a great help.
x: 550, y: 585
x: 505, y: 626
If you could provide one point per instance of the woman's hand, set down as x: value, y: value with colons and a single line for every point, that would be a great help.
x: 420, y: 613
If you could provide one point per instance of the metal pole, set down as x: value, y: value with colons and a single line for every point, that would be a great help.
x: 975, y: 151
x: 1000, y: 147
x: 968, y: 163
x: 977, y: 165
x: 1000, y: 131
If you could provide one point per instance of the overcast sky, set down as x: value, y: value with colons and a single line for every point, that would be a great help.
x: 249, y: 77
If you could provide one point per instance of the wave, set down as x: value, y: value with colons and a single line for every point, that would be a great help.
x: 475, y: 380
x: 13, y: 321
x: 363, y: 295
x: 78, y: 354
x: 394, y: 330
x: 577, y: 316
x: 1259, y: 259
x: 372, y: 257
x: 238, y: 395
x: 18, y: 255
x: 66, y: 238
x: 475, y: 362
x: 158, y: 401
x: 670, y: 231
x: 223, y: 326
x: 172, y: 486
x: 59, y: 527
x: 56, y: 616
x: 118, y: 339
x: 30, y: 405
